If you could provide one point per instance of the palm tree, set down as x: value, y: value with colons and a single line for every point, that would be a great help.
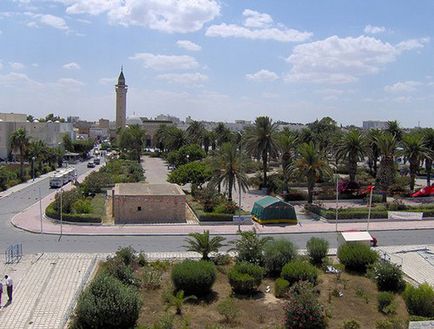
x: 351, y: 147
x: 19, y: 141
x: 178, y: 301
x: 386, y: 144
x: 428, y: 136
x: 287, y: 142
x: 261, y: 142
x: 196, y: 132
x: 202, y: 244
x: 414, y: 149
x: 229, y: 169
x: 394, y: 129
x: 222, y: 134
x: 37, y: 149
x: 372, y: 150
x: 312, y: 164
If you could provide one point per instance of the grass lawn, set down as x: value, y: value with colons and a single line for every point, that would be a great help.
x: 98, y: 206
x: 359, y: 302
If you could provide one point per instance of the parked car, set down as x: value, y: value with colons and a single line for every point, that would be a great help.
x: 91, y: 164
x: 97, y: 161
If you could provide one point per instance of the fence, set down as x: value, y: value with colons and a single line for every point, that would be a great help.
x: 14, y: 253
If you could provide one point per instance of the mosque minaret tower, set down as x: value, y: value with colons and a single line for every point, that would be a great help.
x: 121, y: 101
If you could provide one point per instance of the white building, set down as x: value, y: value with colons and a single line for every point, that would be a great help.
x: 49, y: 132
x: 374, y: 124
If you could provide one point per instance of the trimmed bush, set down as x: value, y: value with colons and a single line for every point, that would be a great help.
x: 388, y: 276
x: 281, y: 287
x: 298, y: 270
x: 385, y: 299
x: 390, y: 324
x: 317, y: 249
x: 303, y: 309
x: 351, y: 324
x: 245, y: 278
x: 356, y: 257
x: 276, y: 254
x: 194, y: 277
x: 420, y: 300
x: 108, y: 304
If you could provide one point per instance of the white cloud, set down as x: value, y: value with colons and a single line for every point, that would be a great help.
x: 257, y: 26
x: 262, y: 75
x: 374, y: 29
x: 166, y: 62
x: 412, y: 44
x: 54, y: 22
x: 184, y: 78
x: 106, y: 81
x: 16, y: 66
x: 71, y: 66
x: 256, y: 19
x: 402, y: 86
x: 342, y: 60
x: 14, y: 79
x: 70, y: 84
x: 236, y: 31
x: 188, y: 45
x: 168, y: 16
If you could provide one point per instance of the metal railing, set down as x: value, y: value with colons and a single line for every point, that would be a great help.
x: 14, y: 253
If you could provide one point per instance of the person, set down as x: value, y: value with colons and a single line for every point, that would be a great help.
x: 1, y: 293
x: 9, y: 288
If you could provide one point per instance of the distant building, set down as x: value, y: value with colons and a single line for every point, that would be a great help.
x: 374, y: 124
x: 140, y: 203
x: 50, y: 133
x: 167, y: 117
x: 72, y: 119
x: 121, y: 101
x: 13, y: 117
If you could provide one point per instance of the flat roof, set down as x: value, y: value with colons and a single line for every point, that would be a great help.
x: 147, y: 189
x: 357, y: 236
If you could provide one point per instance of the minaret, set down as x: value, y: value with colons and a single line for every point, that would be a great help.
x: 121, y: 101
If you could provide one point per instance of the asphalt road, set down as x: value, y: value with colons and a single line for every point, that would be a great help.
x: 32, y: 243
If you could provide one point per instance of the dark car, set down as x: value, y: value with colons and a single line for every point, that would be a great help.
x: 91, y: 164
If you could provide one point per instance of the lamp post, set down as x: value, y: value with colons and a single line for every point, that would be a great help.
x: 33, y: 168
x: 337, y: 200
x: 61, y: 213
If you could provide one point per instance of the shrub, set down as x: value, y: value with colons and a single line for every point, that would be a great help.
x: 245, y: 277
x: 100, y: 304
x: 317, y: 249
x: 390, y: 324
x: 126, y: 254
x: 420, y: 300
x: 82, y: 206
x: 250, y: 247
x: 303, y: 309
x: 281, y: 287
x: 277, y: 253
x: 351, y: 324
x: 356, y: 257
x: 385, y: 299
x: 228, y: 310
x: 299, y: 270
x: 194, y: 277
x: 388, y: 276
x: 151, y: 278
x: 116, y: 268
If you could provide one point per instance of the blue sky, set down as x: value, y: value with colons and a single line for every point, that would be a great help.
x: 220, y: 60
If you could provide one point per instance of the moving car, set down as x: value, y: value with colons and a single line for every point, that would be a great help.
x: 91, y: 164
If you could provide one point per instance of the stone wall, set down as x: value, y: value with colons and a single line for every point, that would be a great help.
x: 143, y: 209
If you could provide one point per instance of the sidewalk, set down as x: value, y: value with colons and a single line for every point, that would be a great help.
x: 22, y: 186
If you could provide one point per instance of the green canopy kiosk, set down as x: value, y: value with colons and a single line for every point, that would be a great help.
x: 270, y: 210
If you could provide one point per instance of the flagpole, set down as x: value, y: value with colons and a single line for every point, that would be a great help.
x: 370, y: 206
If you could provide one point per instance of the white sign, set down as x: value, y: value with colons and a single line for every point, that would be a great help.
x: 242, y: 219
x: 404, y: 215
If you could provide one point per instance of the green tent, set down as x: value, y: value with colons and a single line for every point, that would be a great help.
x: 273, y: 210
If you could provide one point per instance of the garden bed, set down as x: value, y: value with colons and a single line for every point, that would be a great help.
x: 204, y: 216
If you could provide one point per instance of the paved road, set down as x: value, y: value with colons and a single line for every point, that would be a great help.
x: 32, y: 243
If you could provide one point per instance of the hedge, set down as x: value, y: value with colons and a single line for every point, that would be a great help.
x: 74, y: 218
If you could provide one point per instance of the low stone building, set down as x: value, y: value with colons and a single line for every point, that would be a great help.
x: 140, y: 203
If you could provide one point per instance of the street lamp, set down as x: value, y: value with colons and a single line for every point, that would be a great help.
x: 61, y: 213
x: 33, y: 168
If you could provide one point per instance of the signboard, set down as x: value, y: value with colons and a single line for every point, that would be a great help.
x: 242, y: 218
x: 405, y: 215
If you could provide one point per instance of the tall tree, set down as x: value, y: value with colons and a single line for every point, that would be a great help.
x: 261, y: 142
x: 20, y: 141
x: 287, y: 142
x: 351, y: 148
x: 229, y: 169
x: 372, y: 150
x: 38, y: 150
x: 196, y: 132
x: 312, y: 164
x: 132, y: 139
x: 222, y: 134
x: 323, y: 131
x: 395, y: 130
x: 386, y: 144
x: 415, y: 150
x: 428, y: 136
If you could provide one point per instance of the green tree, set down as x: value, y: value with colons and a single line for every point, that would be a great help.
x: 351, y: 148
x: 222, y: 134
x: 287, y: 142
x: 195, y: 173
x: 250, y: 247
x: 67, y: 143
x: 20, y: 141
x: 178, y: 300
x: 428, y: 136
x: 203, y: 244
x: 229, y: 169
x: 39, y: 150
x: 261, y: 142
x: 386, y: 174
x: 312, y: 164
x: 372, y: 150
x: 132, y: 139
x: 196, y: 132
x: 395, y: 130
x: 414, y: 149
x: 323, y: 132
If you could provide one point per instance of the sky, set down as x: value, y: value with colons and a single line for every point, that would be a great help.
x: 294, y: 61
